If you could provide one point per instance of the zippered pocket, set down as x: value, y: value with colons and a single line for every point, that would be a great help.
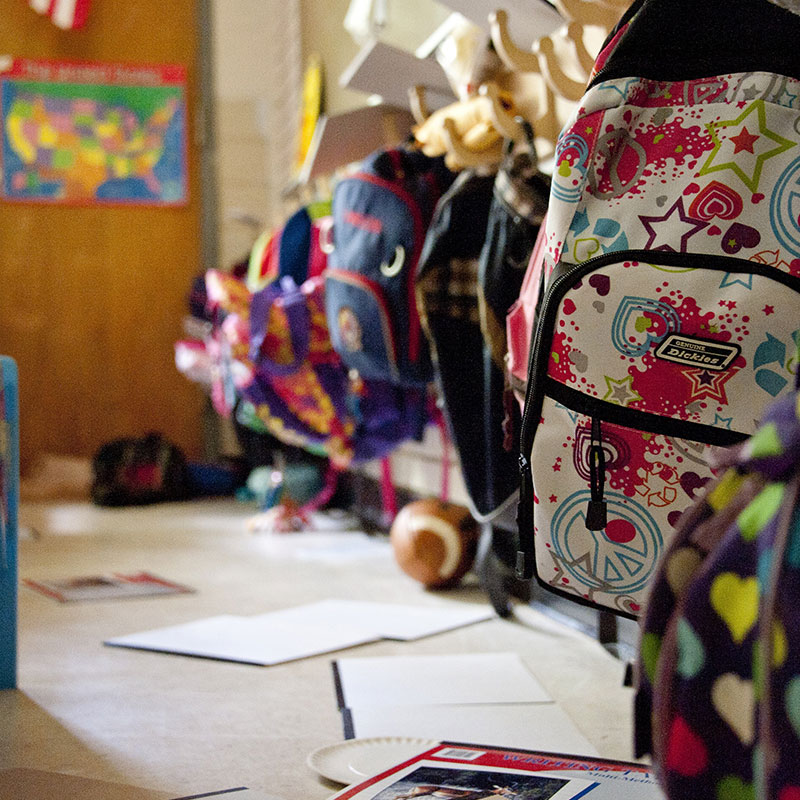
x: 360, y: 325
x: 696, y: 338
x: 663, y: 349
x: 607, y: 495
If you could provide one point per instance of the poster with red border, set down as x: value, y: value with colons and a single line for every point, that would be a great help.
x: 105, y: 587
x: 474, y: 772
x: 82, y: 133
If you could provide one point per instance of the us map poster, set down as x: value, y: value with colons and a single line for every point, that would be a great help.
x: 93, y: 134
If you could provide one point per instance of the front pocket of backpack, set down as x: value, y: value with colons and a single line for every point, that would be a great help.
x: 360, y: 325
x: 645, y: 481
x: 686, y: 337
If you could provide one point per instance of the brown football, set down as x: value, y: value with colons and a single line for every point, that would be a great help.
x: 434, y: 542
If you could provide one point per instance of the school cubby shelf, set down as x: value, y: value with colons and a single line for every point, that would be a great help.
x: 384, y: 69
x: 531, y: 18
x: 341, y: 139
x: 9, y: 484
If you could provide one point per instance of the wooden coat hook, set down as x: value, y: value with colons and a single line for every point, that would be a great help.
x: 462, y: 153
x: 544, y: 60
x: 514, y: 57
x: 554, y: 73
x: 524, y: 96
x: 590, y: 12
x: 500, y: 113
x: 418, y: 104
x: 575, y: 33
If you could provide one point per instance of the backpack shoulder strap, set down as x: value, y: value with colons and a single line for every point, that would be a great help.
x: 684, y: 39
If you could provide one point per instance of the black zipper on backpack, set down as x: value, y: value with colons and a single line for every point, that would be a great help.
x: 564, y: 276
x: 600, y: 411
x: 603, y: 411
x: 596, y: 511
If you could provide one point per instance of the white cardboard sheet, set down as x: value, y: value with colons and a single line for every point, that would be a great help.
x: 300, y: 632
x: 251, y: 641
x: 386, y: 620
x: 532, y: 726
x: 419, y: 680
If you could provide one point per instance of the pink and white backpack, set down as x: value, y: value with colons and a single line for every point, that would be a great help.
x: 667, y: 287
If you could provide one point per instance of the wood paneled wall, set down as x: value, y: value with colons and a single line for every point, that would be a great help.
x: 92, y: 299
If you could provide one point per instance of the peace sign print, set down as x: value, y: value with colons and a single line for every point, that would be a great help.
x: 618, y: 559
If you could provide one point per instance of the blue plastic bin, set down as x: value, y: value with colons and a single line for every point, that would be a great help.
x: 9, y: 489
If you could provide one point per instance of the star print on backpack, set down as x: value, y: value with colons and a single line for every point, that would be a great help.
x: 666, y: 284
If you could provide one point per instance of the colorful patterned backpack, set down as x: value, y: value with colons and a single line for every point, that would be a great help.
x: 299, y: 387
x: 670, y: 275
x: 718, y: 683
x: 302, y: 393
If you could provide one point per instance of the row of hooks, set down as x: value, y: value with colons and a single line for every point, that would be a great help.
x: 540, y: 85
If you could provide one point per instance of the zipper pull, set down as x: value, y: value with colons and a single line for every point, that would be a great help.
x: 596, y: 516
x: 525, y: 555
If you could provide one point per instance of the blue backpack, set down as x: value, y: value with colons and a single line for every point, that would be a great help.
x: 380, y: 218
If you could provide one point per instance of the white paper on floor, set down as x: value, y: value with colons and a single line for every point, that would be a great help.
x: 437, y: 680
x: 530, y: 726
x: 302, y: 631
x: 484, y: 698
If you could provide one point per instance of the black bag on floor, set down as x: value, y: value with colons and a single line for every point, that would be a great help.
x: 138, y: 471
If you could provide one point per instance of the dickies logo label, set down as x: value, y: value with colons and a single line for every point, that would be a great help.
x: 701, y: 353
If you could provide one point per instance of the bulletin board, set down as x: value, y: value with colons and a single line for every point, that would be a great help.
x: 93, y: 134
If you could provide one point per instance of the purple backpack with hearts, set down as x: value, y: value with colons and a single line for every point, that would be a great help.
x: 717, y: 701
x: 668, y: 283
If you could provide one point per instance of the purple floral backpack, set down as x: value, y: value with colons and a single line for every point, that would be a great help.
x: 670, y: 287
x: 718, y: 684
x: 304, y: 395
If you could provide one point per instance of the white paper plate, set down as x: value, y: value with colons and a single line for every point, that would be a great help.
x: 355, y: 759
